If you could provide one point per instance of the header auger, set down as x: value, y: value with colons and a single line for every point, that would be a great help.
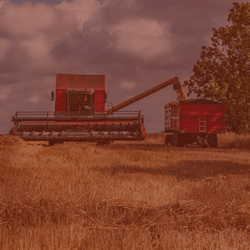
x: 82, y: 113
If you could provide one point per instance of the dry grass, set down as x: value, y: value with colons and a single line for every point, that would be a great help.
x: 124, y: 196
x: 231, y: 140
x: 227, y: 140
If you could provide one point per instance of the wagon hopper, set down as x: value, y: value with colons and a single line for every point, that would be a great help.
x: 194, y: 121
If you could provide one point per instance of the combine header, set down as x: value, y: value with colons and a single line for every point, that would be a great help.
x: 82, y: 113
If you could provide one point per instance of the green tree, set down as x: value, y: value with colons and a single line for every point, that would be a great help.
x: 223, y: 71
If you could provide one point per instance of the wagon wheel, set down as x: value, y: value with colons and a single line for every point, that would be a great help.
x: 181, y: 140
x: 178, y: 140
x: 171, y: 139
x: 175, y: 139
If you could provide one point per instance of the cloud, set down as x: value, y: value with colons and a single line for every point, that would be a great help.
x: 5, y: 46
x: 34, y: 99
x: 128, y: 85
x: 141, y: 27
x: 144, y: 38
x: 5, y: 93
x: 136, y: 44
x: 82, y: 9
x: 2, y: 3
x: 28, y: 33
x: 29, y: 21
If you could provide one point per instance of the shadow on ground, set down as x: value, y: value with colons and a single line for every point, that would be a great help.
x: 164, y: 148
x: 193, y: 170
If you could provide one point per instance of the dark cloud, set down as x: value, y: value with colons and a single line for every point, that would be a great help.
x: 137, y: 44
x: 40, y: 1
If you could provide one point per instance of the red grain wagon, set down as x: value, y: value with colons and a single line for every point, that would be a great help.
x: 194, y: 121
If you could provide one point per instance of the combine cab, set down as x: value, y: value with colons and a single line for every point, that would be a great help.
x: 82, y: 113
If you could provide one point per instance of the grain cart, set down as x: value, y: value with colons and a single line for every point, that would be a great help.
x: 194, y: 121
x: 82, y: 113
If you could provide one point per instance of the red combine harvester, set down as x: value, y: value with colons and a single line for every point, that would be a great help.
x: 82, y: 113
x: 194, y: 121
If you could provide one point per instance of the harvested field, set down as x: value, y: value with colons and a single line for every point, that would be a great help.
x: 127, y: 195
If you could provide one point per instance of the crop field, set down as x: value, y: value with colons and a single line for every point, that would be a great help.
x: 128, y: 195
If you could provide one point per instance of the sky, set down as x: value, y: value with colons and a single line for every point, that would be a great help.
x: 137, y: 44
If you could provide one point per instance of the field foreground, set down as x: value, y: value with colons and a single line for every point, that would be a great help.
x: 124, y: 196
